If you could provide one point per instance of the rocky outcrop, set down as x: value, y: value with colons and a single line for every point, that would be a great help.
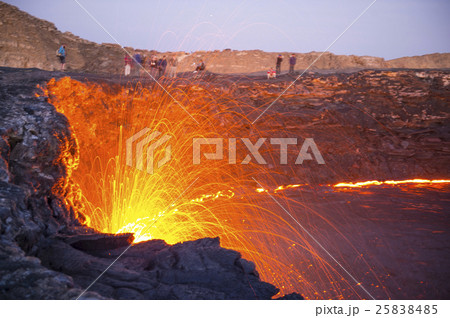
x: 26, y: 41
x: 252, y: 61
x: 154, y: 270
x: 426, y: 61
x: 32, y: 138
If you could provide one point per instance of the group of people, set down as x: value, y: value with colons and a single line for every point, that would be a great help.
x: 292, y: 61
x: 156, y: 67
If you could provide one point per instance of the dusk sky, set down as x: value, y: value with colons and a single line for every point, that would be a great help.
x: 389, y: 29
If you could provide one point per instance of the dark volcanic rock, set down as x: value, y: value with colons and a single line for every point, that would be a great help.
x: 98, y: 242
x: 23, y: 277
x: 31, y: 143
x: 293, y: 296
x: 154, y: 270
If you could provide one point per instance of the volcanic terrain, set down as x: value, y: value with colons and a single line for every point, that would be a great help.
x: 68, y: 202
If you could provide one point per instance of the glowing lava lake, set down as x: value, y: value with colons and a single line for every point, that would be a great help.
x: 384, y: 234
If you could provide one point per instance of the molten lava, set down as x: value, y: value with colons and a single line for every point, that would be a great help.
x: 389, y: 182
x: 361, y: 184
x: 181, y: 201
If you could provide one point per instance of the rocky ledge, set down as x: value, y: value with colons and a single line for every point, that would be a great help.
x: 26, y: 41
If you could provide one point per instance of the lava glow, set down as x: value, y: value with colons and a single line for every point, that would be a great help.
x: 361, y: 184
x: 139, y: 227
x: 389, y: 182
x: 182, y: 201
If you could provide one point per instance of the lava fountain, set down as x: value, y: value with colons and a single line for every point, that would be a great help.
x: 182, y: 201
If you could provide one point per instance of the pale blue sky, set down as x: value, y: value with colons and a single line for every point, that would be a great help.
x: 390, y: 28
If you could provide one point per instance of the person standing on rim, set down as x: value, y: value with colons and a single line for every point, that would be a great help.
x: 154, y: 67
x: 279, y: 60
x: 137, y: 63
x: 127, y: 60
x: 159, y: 66
x: 163, y: 66
x: 292, y: 62
x: 61, y: 53
x: 173, y: 63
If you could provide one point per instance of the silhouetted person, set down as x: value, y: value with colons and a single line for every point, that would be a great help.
x: 61, y: 53
x: 137, y: 61
x: 159, y: 65
x: 200, y: 67
x: 279, y: 60
x: 292, y: 62
x: 143, y: 62
x: 154, y: 66
x: 173, y: 63
x: 163, y: 65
